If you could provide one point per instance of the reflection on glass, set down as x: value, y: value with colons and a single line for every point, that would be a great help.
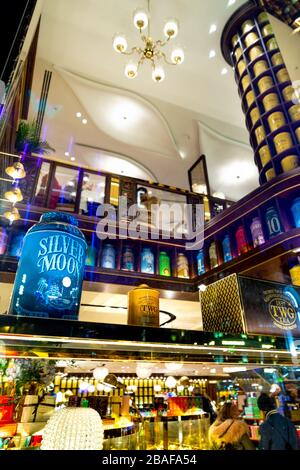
x: 41, y: 188
x: 92, y: 193
x: 64, y: 189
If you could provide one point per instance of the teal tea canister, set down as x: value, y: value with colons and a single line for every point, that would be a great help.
x: 296, y: 211
x: 50, y: 271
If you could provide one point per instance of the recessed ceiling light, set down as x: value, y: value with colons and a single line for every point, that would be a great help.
x: 67, y: 154
x: 78, y: 115
x: 213, y: 28
x: 230, y: 3
x: 125, y: 117
x: 84, y: 121
x: 73, y: 159
x: 224, y: 71
x: 238, y: 177
x: 122, y: 171
x: 182, y: 154
x: 212, y: 54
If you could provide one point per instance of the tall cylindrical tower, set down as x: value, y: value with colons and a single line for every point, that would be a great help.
x: 268, y: 98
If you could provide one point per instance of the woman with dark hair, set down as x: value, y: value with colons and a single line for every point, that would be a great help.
x: 228, y: 432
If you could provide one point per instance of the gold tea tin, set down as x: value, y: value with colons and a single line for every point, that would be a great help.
x: 276, y: 120
x: 277, y: 59
x: 267, y: 29
x: 262, y: 17
x: 289, y: 163
x: 265, y: 84
x: 272, y: 44
x: 250, y: 97
x: 241, y: 67
x: 143, y: 306
x: 270, y: 174
x: 254, y: 116
x: 265, y: 155
x: 260, y: 67
x: 246, y: 82
x: 295, y: 275
x: 270, y: 101
x: 235, y: 40
x: 260, y: 134
x: 283, y: 76
x: 298, y: 134
x: 250, y: 39
x: 288, y: 93
x: 255, y: 52
x: 247, y: 25
x: 294, y: 112
x: 283, y: 141
x: 238, y: 53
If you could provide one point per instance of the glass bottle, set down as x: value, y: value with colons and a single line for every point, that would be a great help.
x: 164, y: 264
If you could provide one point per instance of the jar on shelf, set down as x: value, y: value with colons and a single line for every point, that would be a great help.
x: 294, y: 112
x: 241, y: 241
x: 273, y: 222
x: 277, y: 59
x: 276, y: 121
x: 272, y: 44
x: 3, y: 240
x: 296, y: 211
x: 255, y: 52
x: 16, y: 244
x: 108, y: 257
x: 91, y: 255
x: 200, y: 263
x: 262, y: 17
x: 283, y: 76
x: 283, y: 141
x: 143, y: 306
x: 270, y: 174
x: 213, y: 257
x: 267, y: 30
x: 265, y: 155
x: 260, y: 67
x: 50, y: 272
x: 289, y: 163
x: 251, y: 38
x: 260, y: 134
x: 250, y: 98
x: 254, y: 116
x: 257, y: 232
x: 295, y: 275
x: 270, y: 101
x: 265, y: 83
x: 241, y: 66
x: 288, y: 93
x: 147, y: 261
x: 227, y: 256
x: 247, y: 26
x: 245, y: 82
x: 164, y: 264
x: 127, y: 259
x: 182, y: 266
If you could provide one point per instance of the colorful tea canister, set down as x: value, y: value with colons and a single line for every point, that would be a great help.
x: 272, y: 44
x: 247, y: 26
x: 200, y: 263
x: 250, y: 39
x: 241, y: 241
x: 273, y: 222
x: 3, y: 240
x: 260, y: 134
x: 91, y: 255
x: 276, y: 121
x: 298, y: 134
x: 296, y: 211
x: 260, y: 67
x: 265, y: 84
x: 270, y: 174
x: 283, y: 76
x: 294, y: 112
x: 108, y: 257
x: 147, y: 261
x: 277, y: 59
x: 241, y: 67
x: 262, y: 17
x: 283, y: 141
x: 182, y: 266
x: 288, y: 93
x: 235, y: 40
x: 257, y: 232
x: 245, y: 82
x: 254, y: 116
x: 16, y: 244
x: 267, y: 30
x: 50, y: 271
x: 143, y: 306
x: 265, y: 155
x: 238, y: 53
x: 270, y: 101
x: 127, y: 259
x: 295, y: 275
x: 289, y: 163
x: 227, y: 256
x: 213, y: 257
x: 250, y: 97
x: 255, y: 52
x: 164, y: 264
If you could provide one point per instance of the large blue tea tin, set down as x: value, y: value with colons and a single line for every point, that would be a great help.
x: 273, y: 222
x: 50, y: 271
x: 200, y: 263
x: 296, y: 211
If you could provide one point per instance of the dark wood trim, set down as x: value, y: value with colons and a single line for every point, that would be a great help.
x: 29, y: 73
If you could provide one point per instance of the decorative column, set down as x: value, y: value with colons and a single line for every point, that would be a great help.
x: 269, y: 102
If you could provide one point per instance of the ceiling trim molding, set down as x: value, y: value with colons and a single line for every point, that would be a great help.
x: 223, y: 137
x: 131, y: 94
x: 112, y: 153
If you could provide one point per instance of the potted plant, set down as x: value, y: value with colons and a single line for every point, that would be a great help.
x: 28, y: 140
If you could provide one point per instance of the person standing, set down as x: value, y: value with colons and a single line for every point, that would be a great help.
x: 277, y: 432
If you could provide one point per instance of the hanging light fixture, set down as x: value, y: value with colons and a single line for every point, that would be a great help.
x: 171, y: 382
x: 12, y: 215
x: 143, y: 371
x: 150, y: 50
x: 16, y: 171
x: 14, y: 196
x: 100, y: 373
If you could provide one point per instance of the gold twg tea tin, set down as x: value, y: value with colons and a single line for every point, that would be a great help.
x: 235, y: 40
x: 277, y: 59
x: 247, y: 26
x: 298, y: 134
x: 288, y: 93
x: 272, y: 44
x: 265, y: 84
x: 289, y: 163
x: 270, y: 174
x: 265, y: 155
x: 267, y: 29
x: 254, y: 116
x: 295, y: 275
x: 294, y: 112
x: 241, y: 67
x: 283, y: 76
x: 262, y: 17
x: 143, y: 306
x: 245, y: 82
x: 276, y: 120
x: 260, y: 134
x: 270, y: 101
x: 283, y: 141
x: 250, y: 97
x: 250, y: 39
x: 255, y: 52
x: 260, y: 67
x: 238, y: 53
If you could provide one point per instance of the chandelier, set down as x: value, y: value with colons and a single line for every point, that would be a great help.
x: 151, y: 49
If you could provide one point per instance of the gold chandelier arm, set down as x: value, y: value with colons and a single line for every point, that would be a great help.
x: 161, y: 43
x: 133, y: 50
x: 162, y: 54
